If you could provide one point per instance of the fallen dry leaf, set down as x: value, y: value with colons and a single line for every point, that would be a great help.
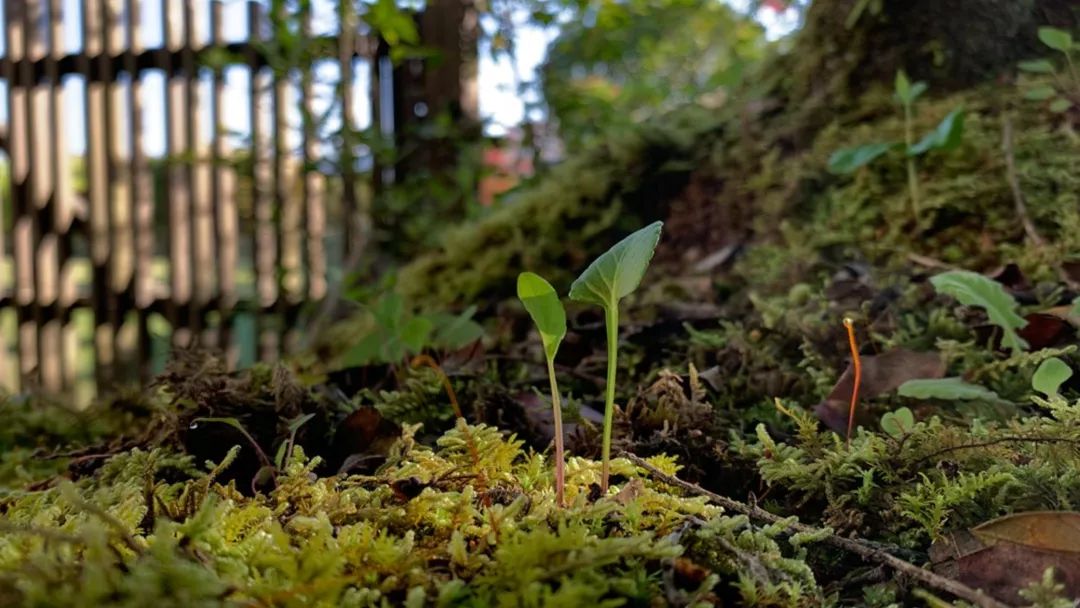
x: 1007, y: 554
x: 880, y: 374
x: 1050, y: 530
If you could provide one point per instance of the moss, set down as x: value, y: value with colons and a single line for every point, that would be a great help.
x: 432, y: 527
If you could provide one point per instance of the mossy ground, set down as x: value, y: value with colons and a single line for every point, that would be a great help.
x: 129, y: 505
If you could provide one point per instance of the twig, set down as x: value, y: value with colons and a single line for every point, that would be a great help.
x: 999, y: 440
x: 929, y: 262
x: 1014, y: 182
x: 858, y: 547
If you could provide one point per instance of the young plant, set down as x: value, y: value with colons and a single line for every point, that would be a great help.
x: 946, y: 136
x: 610, y: 278
x: 1064, y: 92
x: 546, y: 310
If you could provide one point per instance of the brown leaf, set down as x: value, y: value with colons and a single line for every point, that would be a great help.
x: 629, y: 492
x: 880, y: 374
x: 1044, y: 330
x: 1050, y: 530
x: 1005, y: 555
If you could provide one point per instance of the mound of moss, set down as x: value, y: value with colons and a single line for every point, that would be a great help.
x: 434, y: 527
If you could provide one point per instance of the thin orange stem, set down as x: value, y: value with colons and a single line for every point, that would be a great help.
x: 423, y: 359
x: 856, y: 363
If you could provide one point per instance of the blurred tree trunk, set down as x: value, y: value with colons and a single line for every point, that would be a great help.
x: 843, y: 50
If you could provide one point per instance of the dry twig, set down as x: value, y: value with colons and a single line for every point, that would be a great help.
x: 858, y: 547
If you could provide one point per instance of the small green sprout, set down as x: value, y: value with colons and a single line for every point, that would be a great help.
x: 1049, y: 377
x: 610, y: 278
x: 1062, y: 93
x: 946, y: 136
x: 543, y: 304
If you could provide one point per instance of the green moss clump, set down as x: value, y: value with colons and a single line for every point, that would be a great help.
x: 431, y: 527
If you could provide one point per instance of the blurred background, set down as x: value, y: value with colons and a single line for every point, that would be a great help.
x: 179, y: 173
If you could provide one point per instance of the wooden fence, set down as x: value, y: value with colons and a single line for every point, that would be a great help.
x: 211, y: 234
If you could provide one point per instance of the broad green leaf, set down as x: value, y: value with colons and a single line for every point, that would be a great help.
x: 455, y: 331
x: 848, y: 160
x: 619, y: 270
x: 545, y: 308
x: 973, y: 289
x: 1040, y: 93
x: 946, y: 136
x: 898, y: 423
x: 948, y: 389
x: 1037, y: 66
x: 1050, y: 375
x: 1075, y: 311
x: 367, y: 350
x: 414, y: 334
x: 389, y: 310
x: 1059, y: 40
x: 1060, y: 105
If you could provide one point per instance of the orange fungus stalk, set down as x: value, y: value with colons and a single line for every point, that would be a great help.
x: 856, y: 364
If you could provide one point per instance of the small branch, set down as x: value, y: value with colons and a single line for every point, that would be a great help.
x: 1014, y: 183
x: 999, y: 440
x: 858, y: 547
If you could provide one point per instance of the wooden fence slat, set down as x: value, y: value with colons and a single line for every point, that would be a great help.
x: 117, y: 163
x: 314, y: 186
x: 97, y: 192
x: 198, y: 171
x: 25, y: 297
x: 224, y: 202
x: 140, y: 200
x: 264, y: 236
x: 40, y: 186
x: 179, y: 191
x: 41, y: 190
x: 62, y: 203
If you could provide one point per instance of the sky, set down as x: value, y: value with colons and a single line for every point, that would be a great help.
x: 500, y: 103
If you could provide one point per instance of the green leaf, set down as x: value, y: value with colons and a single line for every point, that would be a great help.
x: 947, y: 135
x: 973, y: 289
x: 389, y: 310
x: 848, y: 160
x: 906, y: 91
x: 1050, y: 375
x: 902, y: 86
x: 455, y: 331
x: 898, y: 423
x: 619, y: 270
x: 545, y: 308
x: 1059, y: 40
x: 1075, y: 311
x: 1040, y: 93
x: 948, y: 389
x: 1060, y: 105
x: 414, y: 335
x: 1037, y: 66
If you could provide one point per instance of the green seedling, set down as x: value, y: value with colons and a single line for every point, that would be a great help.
x: 610, y: 278
x: 974, y: 289
x: 899, y: 423
x: 546, y: 310
x: 946, y: 136
x: 1063, y: 92
x: 1049, y: 377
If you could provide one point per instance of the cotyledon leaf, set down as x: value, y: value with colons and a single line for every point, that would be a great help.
x: 617, y: 272
x: 545, y: 308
